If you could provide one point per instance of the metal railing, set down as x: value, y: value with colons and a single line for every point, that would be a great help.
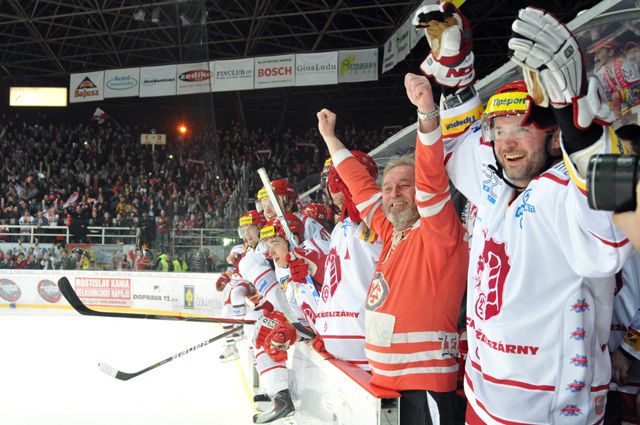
x: 95, y: 234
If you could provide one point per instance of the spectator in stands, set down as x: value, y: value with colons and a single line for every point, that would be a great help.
x: 46, y: 263
x: 26, y: 220
x: 124, y: 263
x: 162, y: 231
x: 20, y: 261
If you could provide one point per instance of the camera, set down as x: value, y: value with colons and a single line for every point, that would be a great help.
x: 611, y: 182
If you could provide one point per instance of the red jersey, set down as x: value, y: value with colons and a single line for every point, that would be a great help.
x: 411, y: 309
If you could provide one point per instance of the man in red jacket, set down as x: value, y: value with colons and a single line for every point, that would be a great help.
x: 411, y: 309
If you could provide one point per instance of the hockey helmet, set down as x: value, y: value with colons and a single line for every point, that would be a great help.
x: 283, y: 190
x: 335, y: 183
x: 250, y: 218
x: 274, y: 228
x: 316, y: 211
x: 512, y: 99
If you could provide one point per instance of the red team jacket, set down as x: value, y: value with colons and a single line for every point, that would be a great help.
x: 414, y: 298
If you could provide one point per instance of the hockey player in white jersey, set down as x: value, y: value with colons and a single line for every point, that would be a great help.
x: 297, y: 268
x: 538, y: 252
x: 234, y: 291
x: 287, y: 197
x: 254, y: 268
x: 353, y: 254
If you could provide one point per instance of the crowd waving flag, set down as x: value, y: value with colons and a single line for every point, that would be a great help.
x: 100, y: 116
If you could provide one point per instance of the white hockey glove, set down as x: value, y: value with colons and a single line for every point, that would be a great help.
x: 553, y: 68
x: 448, y: 32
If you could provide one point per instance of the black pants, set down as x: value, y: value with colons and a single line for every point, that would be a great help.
x: 414, y: 408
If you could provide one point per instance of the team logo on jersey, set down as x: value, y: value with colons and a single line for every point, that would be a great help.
x: 576, y: 386
x: 333, y: 270
x: 491, y: 273
x: 571, y: 410
x: 490, y: 184
x: 378, y: 292
x: 579, y: 360
x: 580, y: 306
x: 308, y: 312
x: 525, y: 206
x: 578, y: 334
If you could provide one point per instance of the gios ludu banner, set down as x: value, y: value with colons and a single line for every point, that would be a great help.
x: 229, y: 75
x: 357, y: 65
x: 194, y: 78
x: 158, y: 81
x: 121, y: 82
x: 315, y: 69
x: 275, y: 71
x: 86, y: 87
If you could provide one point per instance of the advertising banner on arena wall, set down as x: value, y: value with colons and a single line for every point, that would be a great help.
x: 231, y: 75
x: 194, y: 78
x: 275, y: 71
x: 357, y: 65
x: 389, y: 55
x: 121, y: 82
x: 398, y: 46
x: 86, y: 87
x: 146, y: 292
x: 314, y: 69
x: 158, y: 81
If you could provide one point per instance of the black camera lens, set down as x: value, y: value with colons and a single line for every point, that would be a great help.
x: 611, y: 182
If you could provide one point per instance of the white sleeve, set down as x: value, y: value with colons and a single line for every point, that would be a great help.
x: 464, y: 154
x: 591, y: 243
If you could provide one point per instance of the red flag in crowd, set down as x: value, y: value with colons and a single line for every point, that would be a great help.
x: 100, y: 116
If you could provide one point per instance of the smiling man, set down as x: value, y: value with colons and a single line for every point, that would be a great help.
x: 412, y: 306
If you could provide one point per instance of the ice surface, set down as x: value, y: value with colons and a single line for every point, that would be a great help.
x: 49, y: 373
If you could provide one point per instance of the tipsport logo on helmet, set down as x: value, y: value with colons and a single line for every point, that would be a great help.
x: 509, y: 101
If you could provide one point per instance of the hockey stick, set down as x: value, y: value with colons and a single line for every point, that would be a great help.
x: 125, y: 376
x: 70, y: 295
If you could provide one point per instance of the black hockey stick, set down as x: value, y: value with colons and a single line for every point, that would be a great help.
x: 125, y: 376
x: 70, y: 295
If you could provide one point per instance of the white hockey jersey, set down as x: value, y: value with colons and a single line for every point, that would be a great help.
x: 537, y: 329
x: 302, y: 296
x: 349, y: 267
x: 315, y: 233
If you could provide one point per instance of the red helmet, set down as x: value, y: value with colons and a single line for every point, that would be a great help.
x: 334, y: 181
x: 514, y: 99
x: 252, y: 217
x: 274, y: 228
x: 316, y: 211
x: 283, y: 188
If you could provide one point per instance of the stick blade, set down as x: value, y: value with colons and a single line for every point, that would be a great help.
x: 115, y: 373
x: 108, y: 370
